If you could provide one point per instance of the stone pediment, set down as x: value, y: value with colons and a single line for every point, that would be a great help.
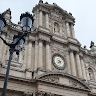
x: 63, y: 79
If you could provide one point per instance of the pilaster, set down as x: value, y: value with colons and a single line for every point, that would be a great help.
x: 68, y: 29
x: 72, y: 30
x: 40, y: 54
x: 48, y: 60
x: 72, y: 61
x: 79, y: 71
x: 40, y: 18
x: 68, y: 63
x: 47, y: 21
x: 83, y: 68
x: 36, y: 55
x: 29, y: 55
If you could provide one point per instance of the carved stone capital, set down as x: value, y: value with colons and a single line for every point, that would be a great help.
x: 36, y: 42
x: 47, y: 43
x: 74, y: 48
x: 31, y: 38
x: 40, y: 40
x: 81, y: 55
x: 76, y: 52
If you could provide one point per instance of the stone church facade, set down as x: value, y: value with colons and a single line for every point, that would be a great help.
x: 52, y: 61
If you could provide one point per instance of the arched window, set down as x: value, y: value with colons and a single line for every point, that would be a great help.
x: 91, y: 74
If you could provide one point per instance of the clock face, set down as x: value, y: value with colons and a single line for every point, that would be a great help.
x: 58, y: 62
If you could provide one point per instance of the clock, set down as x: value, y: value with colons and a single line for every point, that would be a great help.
x: 58, y: 62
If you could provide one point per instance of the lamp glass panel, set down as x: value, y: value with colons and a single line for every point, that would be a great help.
x: 29, y: 22
x: 26, y: 22
x: 1, y: 25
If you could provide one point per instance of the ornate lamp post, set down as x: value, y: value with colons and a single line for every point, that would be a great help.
x: 18, y: 40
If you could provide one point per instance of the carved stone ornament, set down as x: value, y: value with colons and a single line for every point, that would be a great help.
x: 56, y: 15
x: 74, y: 48
x: 75, y: 84
x: 52, y: 79
x: 89, y: 62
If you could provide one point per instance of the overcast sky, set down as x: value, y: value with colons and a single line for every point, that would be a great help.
x: 84, y: 12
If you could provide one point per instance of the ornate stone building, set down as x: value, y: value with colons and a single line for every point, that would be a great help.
x: 52, y: 61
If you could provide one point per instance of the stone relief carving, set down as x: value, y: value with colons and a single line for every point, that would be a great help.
x: 89, y: 62
x: 75, y: 84
x: 55, y: 48
x: 56, y: 15
x: 52, y: 79
x: 90, y: 66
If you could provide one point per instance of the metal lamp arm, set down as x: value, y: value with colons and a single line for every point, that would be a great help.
x: 5, y: 41
x: 25, y: 34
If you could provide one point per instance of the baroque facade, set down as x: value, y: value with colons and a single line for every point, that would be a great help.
x: 52, y: 61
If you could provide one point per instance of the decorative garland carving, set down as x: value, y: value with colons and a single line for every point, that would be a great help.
x: 52, y: 79
x: 75, y: 84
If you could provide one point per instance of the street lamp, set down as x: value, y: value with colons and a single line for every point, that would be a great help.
x: 18, y: 40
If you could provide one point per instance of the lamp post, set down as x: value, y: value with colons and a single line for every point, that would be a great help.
x: 18, y: 40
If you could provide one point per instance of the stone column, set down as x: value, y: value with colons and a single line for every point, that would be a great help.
x: 48, y: 61
x: 29, y: 56
x: 83, y: 68
x: 68, y: 63
x: 1, y: 47
x: 40, y: 55
x: 47, y: 21
x: 37, y: 18
x: 72, y: 61
x: 36, y: 55
x: 25, y: 56
x: 68, y: 29
x: 79, y: 71
x: 40, y: 18
x: 72, y: 30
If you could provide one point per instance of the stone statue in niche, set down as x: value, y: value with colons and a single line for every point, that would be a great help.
x: 56, y: 28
